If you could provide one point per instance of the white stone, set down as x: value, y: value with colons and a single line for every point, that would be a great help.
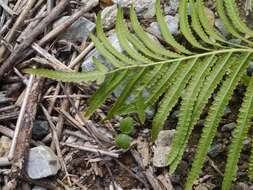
x: 162, y: 148
x: 109, y: 16
x: 165, y: 137
x: 161, y: 154
x: 218, y: 23
x: 42, y: 162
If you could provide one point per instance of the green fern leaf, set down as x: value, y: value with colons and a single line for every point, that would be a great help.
x: 150, y: 43
x: 165, y: 31
x: 124, y: 43
x: 196, y: 25
x: 170, y: 98
x: 205, y: 22
x: 214, y: 116
x: 102, y: 37
x: 126, y: 92
x: 228, y: 25
x: 188, y: 100
x: 233, y: 13
x: 211, y: 82
x: 239, y: 134
x: 68, y: 76
x: 184, y: 25
x: 104, y: 91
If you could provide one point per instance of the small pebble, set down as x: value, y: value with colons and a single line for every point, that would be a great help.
x: 40, y: 129
x: 162, y: 148
x: 109, y: 16
x: 215, y: 150
x: 228, y: 127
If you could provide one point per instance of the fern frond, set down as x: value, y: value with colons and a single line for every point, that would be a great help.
x: 150, y: 43
x: 210, y: 83
x: 102, y: 37
x: 187, y: 106
x: 104, y: 91
x: 170, y: 98
x: 239, y: 134
x: 215, y: 113
x: 174, y: 74
x: 234, y: 15
x: 165, y: 31
x: 196, y: 25
x: 227, y: 23
x: 126, y: 92
x: 124, y: 43
x: 185, y: 26
x: 67, y: 76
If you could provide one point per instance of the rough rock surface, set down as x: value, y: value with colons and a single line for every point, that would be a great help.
x: 109, y: 16
x: 162, y: 148
x: 78, y: 31
x: 42, y: 162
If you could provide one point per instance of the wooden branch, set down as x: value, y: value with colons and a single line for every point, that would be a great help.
x: 13, y: 58
x: 24, y: 135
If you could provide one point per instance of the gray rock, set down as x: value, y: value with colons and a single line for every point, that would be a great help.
x: 161, y: 154
x: 172, y: 21
x: 246, y: 142
x: 78, y: 31
x: 162, y: 148
x: 175, y: 114
x: 109, y: 16
x: 39, y: 188
x: 171, y: 8
x: 144, y: 8
x: 228, y: 127
x: 40, y: 129
x: 165, y: 137
x: 218, y: 23
x: 227, y: 111
x: 215, y: 150
x: 42, y: 162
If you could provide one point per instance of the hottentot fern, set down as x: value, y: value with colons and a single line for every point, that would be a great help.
x: 176, y: 72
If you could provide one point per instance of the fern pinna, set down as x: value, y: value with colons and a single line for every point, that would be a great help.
x: 176, y: 73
